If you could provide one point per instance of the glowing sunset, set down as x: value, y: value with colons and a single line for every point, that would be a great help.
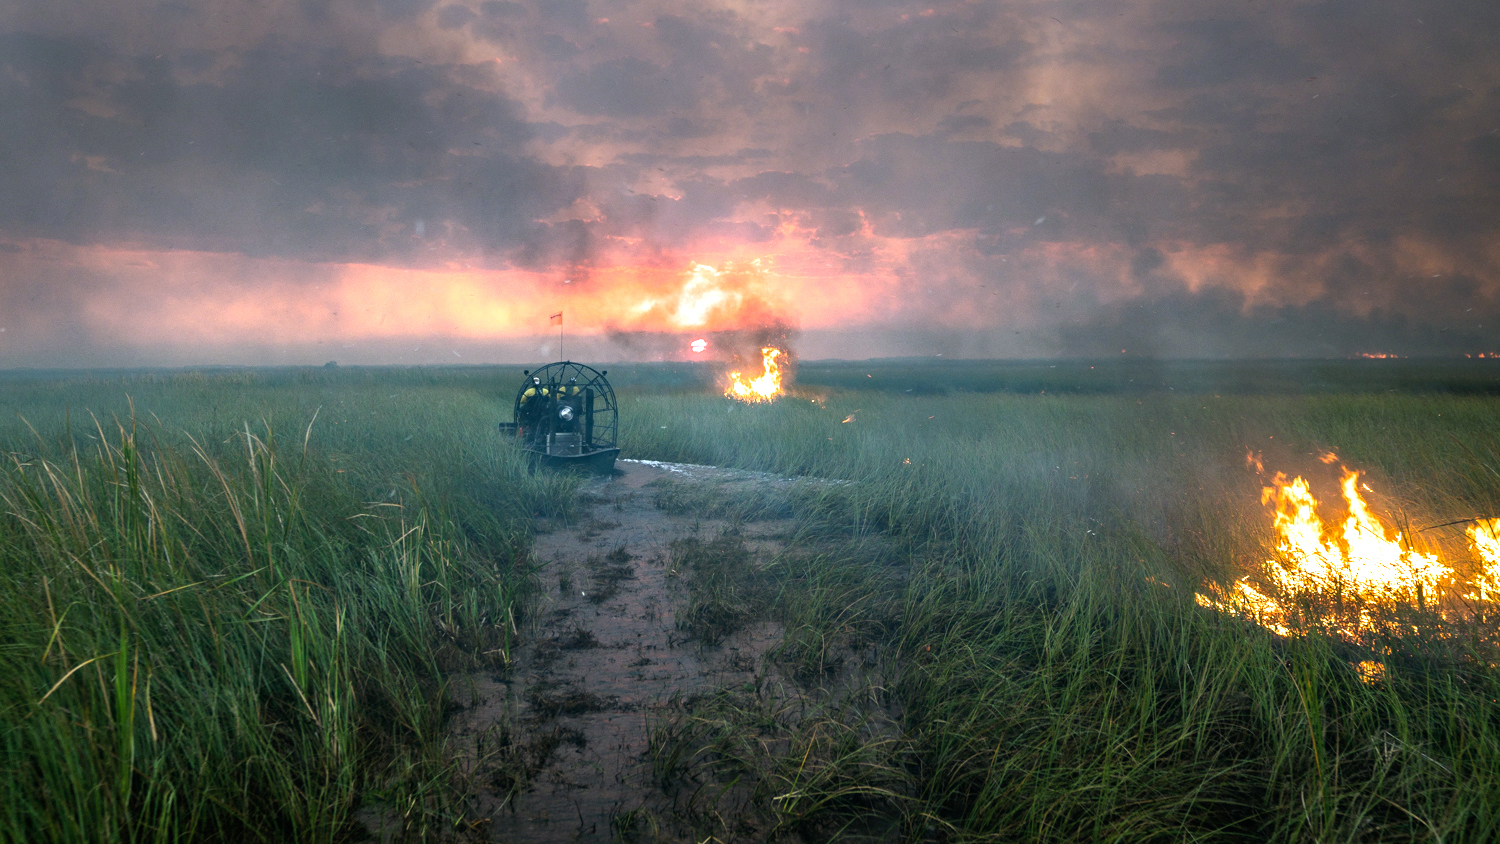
x: 260, y: 184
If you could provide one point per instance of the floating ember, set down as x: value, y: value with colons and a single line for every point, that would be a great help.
x: 765, y: 387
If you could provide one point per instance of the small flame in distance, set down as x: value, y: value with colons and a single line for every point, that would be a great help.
x: 765, y: 387
x: 698, y: 346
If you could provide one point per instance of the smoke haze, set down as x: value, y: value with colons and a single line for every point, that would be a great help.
x: 388, y: 181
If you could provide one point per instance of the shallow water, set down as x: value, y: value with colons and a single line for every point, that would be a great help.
x: 558, y: 746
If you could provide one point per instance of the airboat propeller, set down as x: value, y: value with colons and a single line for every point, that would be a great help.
x: 565, y: 417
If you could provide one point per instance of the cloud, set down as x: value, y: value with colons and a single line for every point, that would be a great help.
x: 1232, y: 50
x: 626, y: 87
x: 284, y: 152
x: 1009, y: 169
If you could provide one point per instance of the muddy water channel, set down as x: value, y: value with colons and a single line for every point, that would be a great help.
x: 558, y: 746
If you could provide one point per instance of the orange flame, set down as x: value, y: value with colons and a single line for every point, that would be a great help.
x: 1252, y: 461
x: 1247, y: 600
x: 766, y: 387
x: 1369, y: 560
x: 1335, y: 581
x: 1484, y: 538
x: 1364, y: 564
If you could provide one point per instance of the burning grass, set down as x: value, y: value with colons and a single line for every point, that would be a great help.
x: 759, y: 388
x: 1358, y: 579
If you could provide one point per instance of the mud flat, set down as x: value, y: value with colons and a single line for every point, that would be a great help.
x: 557, y: 747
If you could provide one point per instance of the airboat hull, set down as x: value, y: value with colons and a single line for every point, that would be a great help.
x: 601, y: 462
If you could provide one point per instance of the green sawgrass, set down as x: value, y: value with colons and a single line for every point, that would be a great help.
x: 225, y: 620
x: 230, y: 608
x: 1025, y: 567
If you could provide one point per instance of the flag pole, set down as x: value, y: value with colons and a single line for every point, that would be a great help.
x: 559, y: 317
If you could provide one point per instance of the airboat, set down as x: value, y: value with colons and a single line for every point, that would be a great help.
x: 565, y: 418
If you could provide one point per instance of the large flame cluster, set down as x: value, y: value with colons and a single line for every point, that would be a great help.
x: 763, y: 387
x: 1338, y: 577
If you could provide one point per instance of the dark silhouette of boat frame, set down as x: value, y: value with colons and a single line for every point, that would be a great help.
x: 565, y: 418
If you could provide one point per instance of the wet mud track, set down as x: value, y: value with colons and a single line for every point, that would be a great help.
x: 557, y: 747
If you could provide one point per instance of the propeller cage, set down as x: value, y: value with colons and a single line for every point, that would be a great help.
x: 565, y: 410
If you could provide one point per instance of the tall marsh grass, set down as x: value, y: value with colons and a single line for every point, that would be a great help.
x: 229, y: 608
x: 230, y: 604
x: 1026, y: 567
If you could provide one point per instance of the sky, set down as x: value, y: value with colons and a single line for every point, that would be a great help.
x: 421, y: 181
